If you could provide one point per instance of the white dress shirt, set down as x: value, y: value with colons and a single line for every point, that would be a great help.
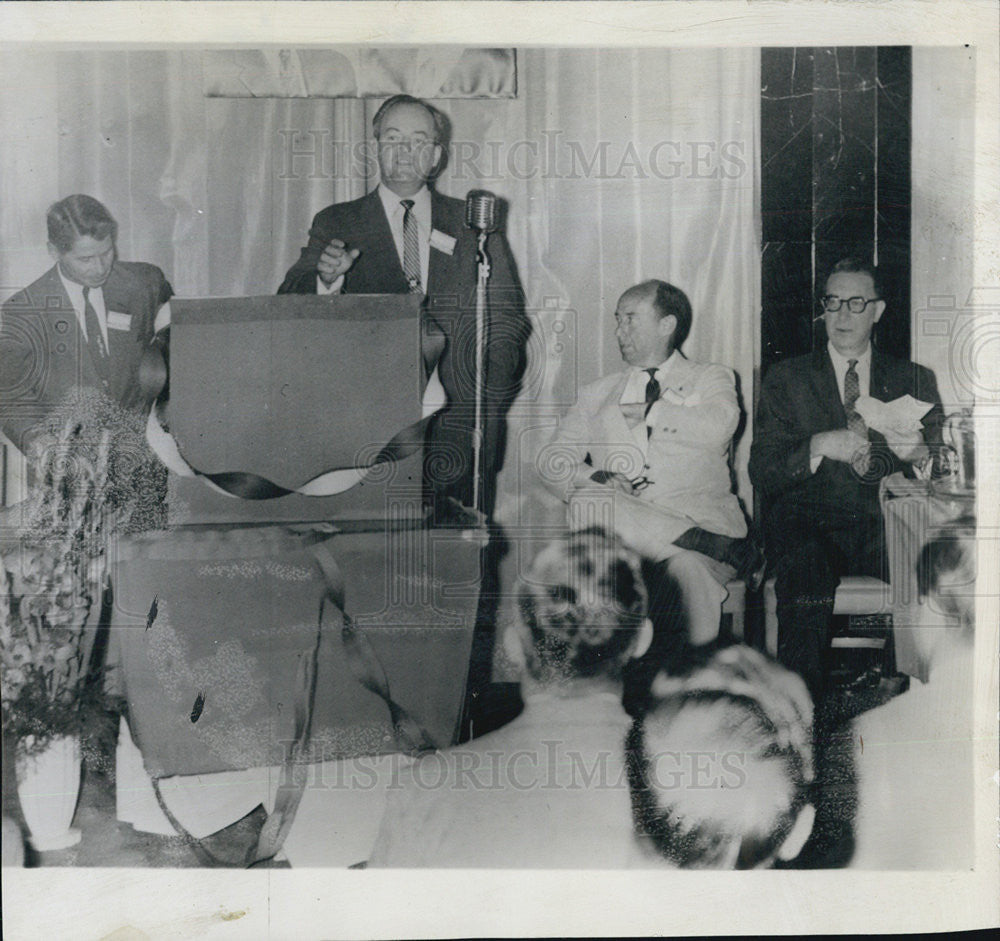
x: 394, y: 211
x: 840, y: 366
x: 633, y: 398
x: 863, y: 369
x: 75, y: 293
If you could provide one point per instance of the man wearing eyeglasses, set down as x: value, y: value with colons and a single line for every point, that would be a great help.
x: 404, y: 237
x: 818, y: 466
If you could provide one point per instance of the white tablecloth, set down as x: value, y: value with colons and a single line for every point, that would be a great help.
x: 335, y: 825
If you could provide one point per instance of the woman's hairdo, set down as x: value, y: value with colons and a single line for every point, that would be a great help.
x: 583, y: 602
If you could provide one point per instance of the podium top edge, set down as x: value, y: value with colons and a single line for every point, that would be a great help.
x: 284, y: 307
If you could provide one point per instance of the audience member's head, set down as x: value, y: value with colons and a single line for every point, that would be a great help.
x: 583, y: 608
x: 720, y: 767
x: 946, y: 572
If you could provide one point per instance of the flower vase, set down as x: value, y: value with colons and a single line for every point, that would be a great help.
x: 48, y: 786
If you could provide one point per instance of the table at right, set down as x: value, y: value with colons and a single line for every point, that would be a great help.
x: 915, y: 511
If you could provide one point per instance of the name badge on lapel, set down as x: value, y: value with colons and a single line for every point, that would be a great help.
x: 119, y: 321
x: 443, y: 243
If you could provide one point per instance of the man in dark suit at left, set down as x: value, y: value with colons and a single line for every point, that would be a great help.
x: 84, y: 324
x: 404, y: 237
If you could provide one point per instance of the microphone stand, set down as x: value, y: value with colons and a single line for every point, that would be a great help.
x: 483, y: 262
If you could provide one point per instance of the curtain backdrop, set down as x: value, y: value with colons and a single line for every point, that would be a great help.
x: 616, y: 165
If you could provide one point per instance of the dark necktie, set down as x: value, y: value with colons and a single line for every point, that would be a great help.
x: 95, y: 339
x: 855, y: 423
x: 652, y: 394
x: 652, y: 390
x: 411, y: 247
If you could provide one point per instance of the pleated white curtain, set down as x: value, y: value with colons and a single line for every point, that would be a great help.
x: 619, y: 165
x: 616, y: 165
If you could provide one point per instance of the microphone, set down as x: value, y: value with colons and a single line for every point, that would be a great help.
x: 481, y: 210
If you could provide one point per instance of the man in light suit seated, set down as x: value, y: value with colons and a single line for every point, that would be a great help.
x: 548, y: 789
x: 647, y: 448
x: 720, y: 768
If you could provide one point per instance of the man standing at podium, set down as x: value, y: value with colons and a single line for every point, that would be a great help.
x: 84, y: 324
x: 405, y: 237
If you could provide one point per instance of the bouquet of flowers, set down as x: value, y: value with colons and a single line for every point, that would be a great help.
x: 95, y: 476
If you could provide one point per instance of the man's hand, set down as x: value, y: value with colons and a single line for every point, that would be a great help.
x: 841, y: 445
x: 335, y: 261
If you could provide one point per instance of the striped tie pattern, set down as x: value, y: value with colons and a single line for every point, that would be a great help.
x: 855, y: 423
x: 411, y: 247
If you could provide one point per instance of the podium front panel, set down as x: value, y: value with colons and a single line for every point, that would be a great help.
x: 288, y: 388
x: 210, y: 626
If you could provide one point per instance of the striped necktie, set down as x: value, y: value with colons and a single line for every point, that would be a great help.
x: 411, y: 247
x: 855, y: 423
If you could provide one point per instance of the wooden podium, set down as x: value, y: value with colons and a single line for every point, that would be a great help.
x: 214, y: 617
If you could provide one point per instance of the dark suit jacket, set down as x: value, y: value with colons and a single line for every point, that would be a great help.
x: 44, y: 357
x: 800, y: 398
x: 451, y: 305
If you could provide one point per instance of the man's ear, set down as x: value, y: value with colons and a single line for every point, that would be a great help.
x: 643, y: 639
x: 800, y: 833
x: 54, y: 252
x: 513, y: 647
x: 879, y: 310
x: 438, y: 162
x: 667, y: 326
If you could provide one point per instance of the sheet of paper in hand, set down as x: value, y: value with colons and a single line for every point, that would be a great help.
x: 270, y: 396
x: 899, y: 416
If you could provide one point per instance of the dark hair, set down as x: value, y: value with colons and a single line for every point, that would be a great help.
x: 856, y: 265
x: 669, y: 301
x: 78, y: 215
x: 583, y: 602
x: 757, y: 716
x: 440, y: 122
x: 946, y: 554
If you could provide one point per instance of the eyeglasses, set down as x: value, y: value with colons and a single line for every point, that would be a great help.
x: 855, y: 305
x: 414, y: 145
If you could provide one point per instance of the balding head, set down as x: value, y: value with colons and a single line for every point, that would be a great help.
x: 653, y: 319
x: 720, y: 766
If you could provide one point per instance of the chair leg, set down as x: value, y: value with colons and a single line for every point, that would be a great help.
x: 770, y: 618
x: 736, y: 626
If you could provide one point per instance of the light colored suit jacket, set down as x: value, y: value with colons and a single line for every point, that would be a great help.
x: 686, y: 456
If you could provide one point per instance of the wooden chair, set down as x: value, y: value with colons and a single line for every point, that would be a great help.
x: 736, y: 605
x: 856, y: 595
